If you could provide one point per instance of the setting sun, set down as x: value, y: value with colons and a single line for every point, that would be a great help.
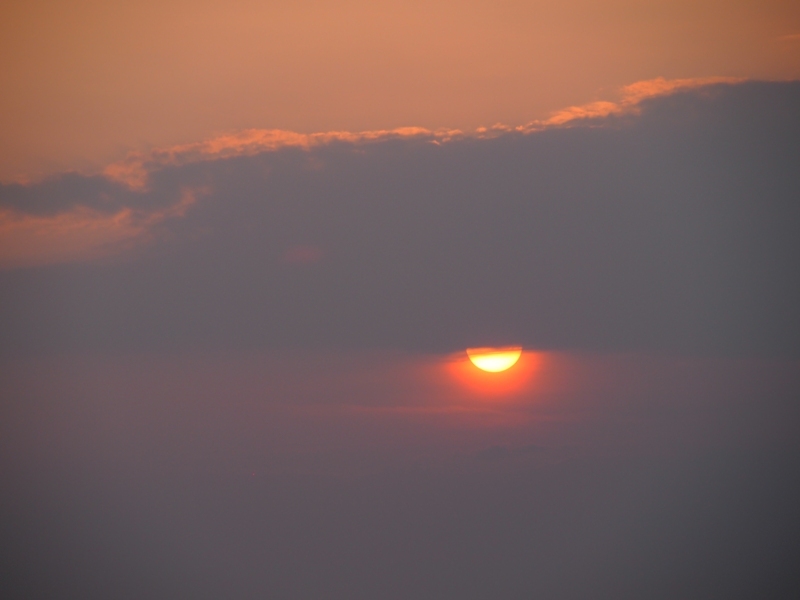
x: 494, y: 360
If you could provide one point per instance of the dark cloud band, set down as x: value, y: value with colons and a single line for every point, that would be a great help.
x: 671, y: 229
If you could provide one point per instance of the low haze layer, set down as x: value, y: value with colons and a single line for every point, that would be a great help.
x: 363, y: 475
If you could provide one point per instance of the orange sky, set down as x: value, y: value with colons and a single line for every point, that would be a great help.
x: 85, y: 82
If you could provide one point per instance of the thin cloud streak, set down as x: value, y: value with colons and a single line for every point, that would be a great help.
x: 631, y: 97
x: 134, y: 170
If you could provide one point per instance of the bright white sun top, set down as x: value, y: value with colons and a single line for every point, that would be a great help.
x: 494, y: 360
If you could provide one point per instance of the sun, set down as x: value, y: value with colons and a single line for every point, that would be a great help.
x: 494, y: 360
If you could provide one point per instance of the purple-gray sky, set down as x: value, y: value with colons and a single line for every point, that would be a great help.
x: 235, y: 368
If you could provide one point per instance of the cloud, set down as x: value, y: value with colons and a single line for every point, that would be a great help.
x: 672, y: 228
x: 107, y: 215
x: 75, y: 218
x: 631, y: 98
x: 80, y: 233
x: 239, y: 365
x: 134, y: 170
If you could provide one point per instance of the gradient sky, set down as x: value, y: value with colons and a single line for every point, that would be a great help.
x: 85, y: 82
x: 244, y: 246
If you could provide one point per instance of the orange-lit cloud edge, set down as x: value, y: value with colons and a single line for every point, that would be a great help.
x: 85, y: 235
x: 134, y: 170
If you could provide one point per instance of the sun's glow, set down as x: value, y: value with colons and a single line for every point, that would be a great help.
x: 494, y: 360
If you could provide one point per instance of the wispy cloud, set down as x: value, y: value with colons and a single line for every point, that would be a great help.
x: 136, y: 168
x: 631, y: 97
x: 80, y: 234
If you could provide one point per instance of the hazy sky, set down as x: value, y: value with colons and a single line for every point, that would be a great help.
x: 244, y: 246
x: 84, y: 82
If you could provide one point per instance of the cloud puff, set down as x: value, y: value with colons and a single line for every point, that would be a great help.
x: 668, y: 223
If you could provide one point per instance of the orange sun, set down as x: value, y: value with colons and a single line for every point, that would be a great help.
x: 494, y: 360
